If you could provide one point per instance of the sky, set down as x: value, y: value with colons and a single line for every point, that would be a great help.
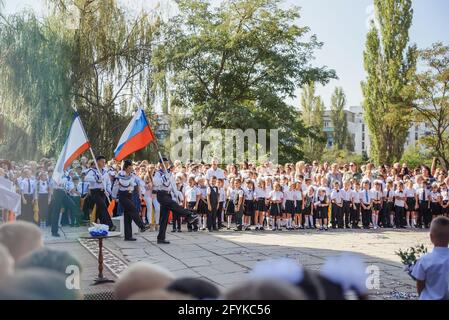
x: 342, y: 26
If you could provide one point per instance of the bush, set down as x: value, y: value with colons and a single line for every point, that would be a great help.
x: 415, y: 156
x: 341, y: 156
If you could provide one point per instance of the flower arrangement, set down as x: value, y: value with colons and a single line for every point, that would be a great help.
x: 410, y: 256
x: 99, y: 230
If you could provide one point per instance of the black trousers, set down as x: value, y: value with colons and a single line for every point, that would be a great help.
x: 219, y: 212
x: 176, y: 221
x: 366, y: 217
x: 27, y: 213
x: 212, y: 218
x: 130, y: 213
x: 355, y: 215
x: 424, y: 215
x: 337, y: 215
x: 400, y: 216
x: 167, y: 204
x: 99, y: 199
x: 347, y: 212
x: 61, y: 199
x: 42, y: 202
x: 190, y: 206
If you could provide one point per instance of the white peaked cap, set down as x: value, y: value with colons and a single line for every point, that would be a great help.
x: 348, y: 270
x: 287, y: 270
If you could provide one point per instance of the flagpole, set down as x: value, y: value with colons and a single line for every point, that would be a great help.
x: 93, y: 156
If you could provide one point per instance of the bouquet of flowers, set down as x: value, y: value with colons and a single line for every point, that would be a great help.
x: 410, y: 256
x: 99, y: 230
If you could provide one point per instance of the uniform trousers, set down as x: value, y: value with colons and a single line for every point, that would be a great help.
x: 100, y: 200
x: 130, y: 213
x: 27, y: 209
x: 337, y: 216
x: 61, y: 199
x: 366, y: 217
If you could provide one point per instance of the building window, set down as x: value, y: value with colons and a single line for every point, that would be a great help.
x: 363, y: 145
x: 363, y: 127
x: 416, y: 136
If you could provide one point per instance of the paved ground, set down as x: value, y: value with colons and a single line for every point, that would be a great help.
x: 225, y: 257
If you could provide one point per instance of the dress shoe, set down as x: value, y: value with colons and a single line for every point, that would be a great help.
x: 131, y: 239
x: 145, y: 228
x: 57, y: 235
x: 193, y: 218
x: 113, y: 228
x: 163, y: 242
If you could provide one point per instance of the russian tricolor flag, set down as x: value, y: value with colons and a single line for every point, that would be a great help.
x: 74, y: 146
x: 137, y: 136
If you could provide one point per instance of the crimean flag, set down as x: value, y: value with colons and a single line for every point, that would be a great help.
x: 136, y: 136
x: 74, y: 146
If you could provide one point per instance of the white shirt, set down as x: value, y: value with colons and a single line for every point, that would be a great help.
x: 347, y: 194
x: 289, y: 195
x: 422, y: 192
x: 82, y: 188
x: 389, y: 195
x: 399, y: 202
x: 260, y: 193
x: 434, y: 196
x: 98, y: 180
x: 410, y: 193
x: 365, y: 196
x: 297, y: 195
x: 249, y: 194
x: 219, y: 173
x: 191, y: 193
x: 376, y: 194
x: 445, y: 195
x: 42, y: 187
x: 221, y: 194
x: 433, y: 268
x: 276, y: 195
x: 337, y: 196
x: 355, y: 196
x: 27, y: 186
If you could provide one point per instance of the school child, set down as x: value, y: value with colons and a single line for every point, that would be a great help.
x: 444, y: 199
x: 299, y: 201
x: 366, y: 204
x: 388, y: 204
x: 230, y: 207
x: 347, y: 194
x: 239, y: 200
x: 355, y: 206
x: 43, y: 198
x: 202, y: 204
x: 249, y: 204
x: 399, y: 205
x: 221, y: 201
x: 431, y: 271
x: 377, y: 203
x: 308, y: 209
x: 212, y: 204
x: 83, y: 190
x: 192, y: 199
x: 411, y: 204
x: 435, y: 200
x: 424, y: 215
x: 322, y: 207
x: 27, y: 188
x: 260, y: 194
x: 179, y: 198
x: 72, y: 189
x: 289, y: 205
x: 276, y: 197
x: 337, y: 206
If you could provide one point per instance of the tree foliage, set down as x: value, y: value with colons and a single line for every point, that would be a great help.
x: 312, y: 111
x: 431, y: 89
x: 232, y: 66
x: 390, y: 66
x: 338, y: 118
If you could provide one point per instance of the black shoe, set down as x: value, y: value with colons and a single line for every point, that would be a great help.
x: 238, y: 229
x: 247, y: 229
x: 189, y: 230
x: 163, y: 242
x: 57, y: 235
x: 113, y: 228
x: 131, y: 239
x: 215, y: 229
x: 174, y: 230
x: 179, y: 230
x: 145, y: 228
x: 193, y: 219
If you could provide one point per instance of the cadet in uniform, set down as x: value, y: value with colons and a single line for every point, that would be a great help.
x: 98, y: 185
x: 163, y: 186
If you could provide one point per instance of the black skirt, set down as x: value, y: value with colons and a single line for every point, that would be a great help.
x: 275, y: 209
x: 298, y: 207
x: 249, y: 208
x: 377, y: 206
x: 230, y: 208
x: 261, y: 205
x: 290, y: 206
x: 202, y: 207
x: 445, y: 210
x: 307, y: 210
x: 435, y: 208
x: 411, y: 204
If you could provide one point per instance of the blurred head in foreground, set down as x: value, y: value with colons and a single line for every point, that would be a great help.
x: 20, y: 238
x: 159, y: 294
x: 49, y: 259
x: 439, y: 231
x: 141, y: 277
x: 6, y: 263
x: 265, y: 290
x: 37, y: 284
x: 197, y: 288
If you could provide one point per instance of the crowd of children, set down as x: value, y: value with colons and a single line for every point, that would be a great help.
x: 263, y: 197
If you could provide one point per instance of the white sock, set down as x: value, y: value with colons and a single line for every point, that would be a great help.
x: 413, y: 222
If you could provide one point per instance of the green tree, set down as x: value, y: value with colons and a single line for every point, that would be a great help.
x: 338, y: 118
x: 232, y: 66
x: 312, y: 111
x: 431, y: 87
x: 390, y: 65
